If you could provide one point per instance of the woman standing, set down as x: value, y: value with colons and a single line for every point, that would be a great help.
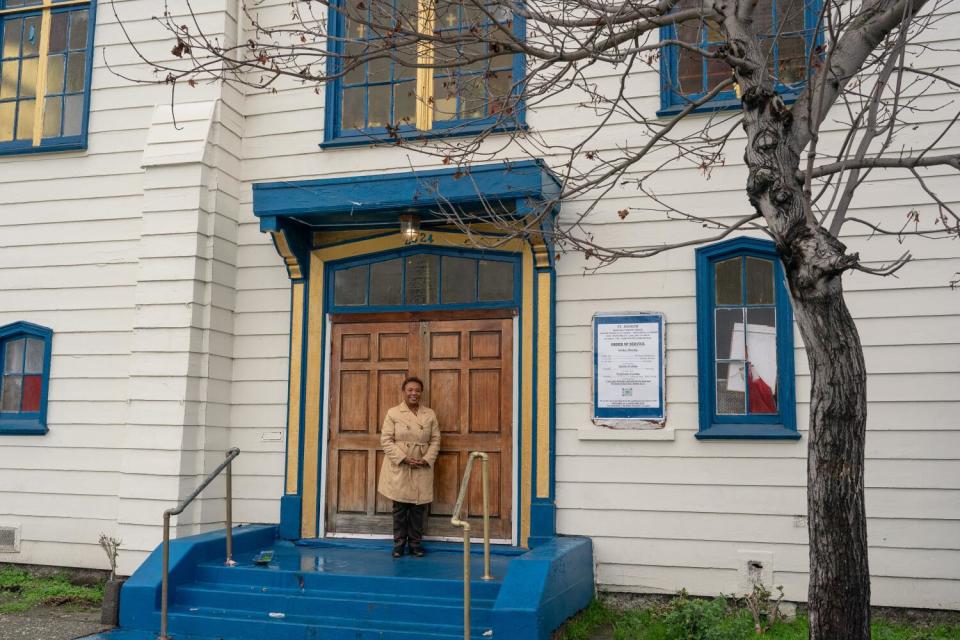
x: 411, y: 441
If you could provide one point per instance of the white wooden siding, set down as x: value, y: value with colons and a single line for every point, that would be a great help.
x: 171, y: 319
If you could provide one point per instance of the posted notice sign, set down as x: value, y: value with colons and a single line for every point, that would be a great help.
x: 628, y: 376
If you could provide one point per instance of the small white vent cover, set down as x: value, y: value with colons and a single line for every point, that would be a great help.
x: 9, y: 539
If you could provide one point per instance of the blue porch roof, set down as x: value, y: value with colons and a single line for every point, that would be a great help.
x: 366, y: 200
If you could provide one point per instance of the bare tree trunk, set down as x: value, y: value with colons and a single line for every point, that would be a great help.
x: 839, y: 592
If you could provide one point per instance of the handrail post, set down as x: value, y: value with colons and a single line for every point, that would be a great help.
x: 466, y: 581
x: 165, y: 578
x: 455, y: 520
x: 486, y: 517
x: 166, y: 572
x: 229, y: 562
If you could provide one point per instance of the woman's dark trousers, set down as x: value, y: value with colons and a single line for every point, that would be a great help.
x: 408, y: 521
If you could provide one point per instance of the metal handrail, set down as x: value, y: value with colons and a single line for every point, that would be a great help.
x: 455, y: 520
x: 231, y: 454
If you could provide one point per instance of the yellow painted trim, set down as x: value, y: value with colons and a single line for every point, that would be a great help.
x: 426, y: 17
x: 46, y: 20
x: 396, y: 241
x: 290, y: 260
x: 543, y: 385
x: 312, y: 411
x: 526, y: 415
x: 296, y: 377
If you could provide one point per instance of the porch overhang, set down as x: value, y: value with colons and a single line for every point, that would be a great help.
x: 292, y: 210
x: 357, y: 201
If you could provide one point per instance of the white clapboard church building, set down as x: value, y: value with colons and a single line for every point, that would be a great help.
x: 231, y: 272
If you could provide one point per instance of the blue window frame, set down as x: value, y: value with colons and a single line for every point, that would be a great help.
x: 375, y: 101
x: 744, y: 342
x: 24, y: 378
x: 686, y: 75
x: 424, y: 278
x: 45, y: 65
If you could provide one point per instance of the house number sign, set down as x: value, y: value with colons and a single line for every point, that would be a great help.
x: 628, y: 368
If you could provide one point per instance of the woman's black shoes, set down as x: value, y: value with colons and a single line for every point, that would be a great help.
x: 417, y: 551
x: 397, y: 551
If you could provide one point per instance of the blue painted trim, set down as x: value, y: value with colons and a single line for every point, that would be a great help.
x: 748, y: 432
x: 140, y: 596
x: 34, y: 422
x: 773, y: 426
x: 304, y: 351
x: 672, y: 102
x: 629, y: 414
x: 334, y: 136
x: 543, y: 588
x: 61, y: 143
x: 290, y: 517
x: 415, y: 249
x: 358, y: 201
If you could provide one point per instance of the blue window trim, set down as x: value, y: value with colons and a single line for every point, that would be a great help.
x: 62, y: 143
x: 780, y: 426
x: 476, y: 254
x: 34, y: 423
x: 334, y: 137
x: 672, y: 102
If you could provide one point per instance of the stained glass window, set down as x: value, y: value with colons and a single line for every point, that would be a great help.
x: 24, y: 371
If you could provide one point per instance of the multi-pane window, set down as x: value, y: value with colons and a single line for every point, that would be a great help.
x: 388, y: 86
x: 786, y: 32
x: 24, y: 372
x: 745, y: 331
x: 745, y: 342
x: 425, y: 280
x: 45, y: 49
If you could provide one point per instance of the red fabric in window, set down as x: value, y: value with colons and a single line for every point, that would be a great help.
x: 31, y: 393
x: 761, y: 396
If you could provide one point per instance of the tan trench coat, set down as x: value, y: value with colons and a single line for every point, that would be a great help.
x: 408, y: 435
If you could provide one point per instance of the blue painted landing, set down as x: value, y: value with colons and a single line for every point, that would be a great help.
x: 353, y: 589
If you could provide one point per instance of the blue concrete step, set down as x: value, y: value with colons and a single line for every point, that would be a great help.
x: 248, y: 625
x: 400, y: 606
x: 358, y: 582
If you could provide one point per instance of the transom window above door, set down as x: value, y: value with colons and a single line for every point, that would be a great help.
x: 425, y: 281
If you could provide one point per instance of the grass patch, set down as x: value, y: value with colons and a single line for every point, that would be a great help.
x: 21, y: 591
x: 685, y: 618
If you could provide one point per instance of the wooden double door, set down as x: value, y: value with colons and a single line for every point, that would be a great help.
x: 467, y: 369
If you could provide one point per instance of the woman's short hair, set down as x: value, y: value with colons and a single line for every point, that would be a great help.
x: 412, y: 379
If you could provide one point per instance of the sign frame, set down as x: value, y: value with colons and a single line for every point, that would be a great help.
x: 648, y: 417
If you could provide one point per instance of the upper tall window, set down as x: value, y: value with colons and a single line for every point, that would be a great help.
x: 744, y: 342
x: 387, y: 97
x: 25, y: 368
x: 786, y: 29
x: 45, y: 62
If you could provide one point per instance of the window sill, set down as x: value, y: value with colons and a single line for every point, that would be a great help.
x: 22, y: 427
x: 374, y: 137
x: 607, y: 433
x: 719, y: 104
x: 74, y: 143
x: 747, y: 432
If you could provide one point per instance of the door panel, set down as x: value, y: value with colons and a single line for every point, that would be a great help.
x: 467, y: 369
